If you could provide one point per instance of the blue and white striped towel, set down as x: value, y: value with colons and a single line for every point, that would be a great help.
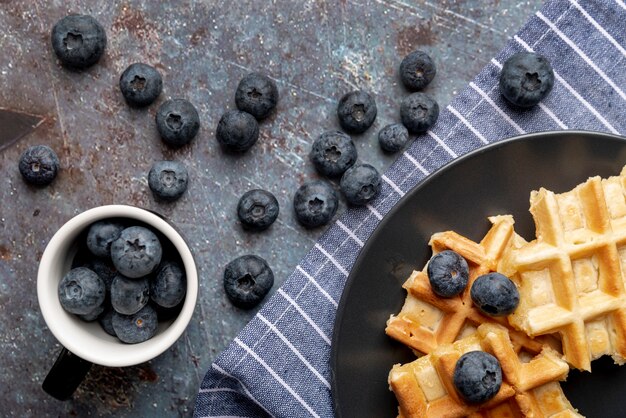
x: 279, y: 364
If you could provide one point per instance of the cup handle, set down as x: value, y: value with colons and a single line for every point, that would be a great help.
x: 66, y: 374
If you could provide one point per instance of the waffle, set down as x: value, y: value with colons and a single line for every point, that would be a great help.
x: 427, y: 320
x: 570, y: 278
x: 530, y: 388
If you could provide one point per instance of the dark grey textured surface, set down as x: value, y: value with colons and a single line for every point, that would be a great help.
x: 316, y: 52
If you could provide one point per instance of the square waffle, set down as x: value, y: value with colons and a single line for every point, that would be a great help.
x: 571, y: 278
x: 427, y: 320
x: 424, y: 388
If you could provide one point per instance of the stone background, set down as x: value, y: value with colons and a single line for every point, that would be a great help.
x: 315, y: 50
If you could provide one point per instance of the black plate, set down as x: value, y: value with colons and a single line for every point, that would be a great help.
x: 494, y: 180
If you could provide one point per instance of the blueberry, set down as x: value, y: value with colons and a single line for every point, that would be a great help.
x: 356, y: 111
x: 237, y: 131
x: 477, y: 376
x: 494, y: 294
x: 333, y: 153
x: 257, y: 209
x: 81, y: 291
x: 394, y: 137
x: 136, y: 328
x: 39, y: 165
x: 137, y: 252
x: 168, y: 287
x: 93, y: 315
x: 105, y: 270
x: 315, y: 203
x: 178, y: 122
x: 168, y: 180
x: 106, y: 321
x: 256, y: 94
x: 140, y: 84
x: 418, y: 112
x: 78, y: 41
x: 417, y: 70
x: 526, y: 78
x: 448, y: 273
x: 100, y: 236
x: 128, y: 296
x: 247, y: 279
x: 360, y: 184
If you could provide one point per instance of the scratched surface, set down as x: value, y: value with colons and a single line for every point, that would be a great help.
x: 316, y: 51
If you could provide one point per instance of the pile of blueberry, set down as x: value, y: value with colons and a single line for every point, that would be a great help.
x: 477, y: 375
x: 127, y: 280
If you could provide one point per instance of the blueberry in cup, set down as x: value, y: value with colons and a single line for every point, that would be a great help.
x: 137, y: 252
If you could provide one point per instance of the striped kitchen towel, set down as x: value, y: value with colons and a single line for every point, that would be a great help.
x: 279, y: 364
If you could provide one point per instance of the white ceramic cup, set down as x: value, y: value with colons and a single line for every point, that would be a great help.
x: 87, y: 340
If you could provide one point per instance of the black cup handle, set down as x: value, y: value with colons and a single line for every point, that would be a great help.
x: 66, y: 374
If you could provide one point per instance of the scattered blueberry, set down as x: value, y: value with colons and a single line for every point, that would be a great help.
x: 93, y: 315
x: 417, y: 70
x: 360, y: 184
x: 106, y: 321
x: 448, y: 273
x: 39, y: 165
x: 356, y: 111
x: 526, y: 78
x: 257, y: 209
x: 81, y: 291
x: 137, y: 252
x: 237, y: 131
x: 136, y: 328
x: 78, y: 41
x: 100, y: 236
x: 140, y: 84
x: 394, y: 137
x: 256, y: 94
x: 315, y: 203
x: 168, y: 180
x: 247, y: 279
x: 477, y: 376
x: 128, y: 296
x: 418, y: 112
x: 333, y: 153
x: 178, y: 122
x: 168, y: 287
x: 494, y: 294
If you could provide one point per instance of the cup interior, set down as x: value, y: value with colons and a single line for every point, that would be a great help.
x: 87, y: 339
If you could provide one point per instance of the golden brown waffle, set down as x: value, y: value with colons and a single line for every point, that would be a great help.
x: 427, y: 320
x: 570, y: 278
x: 530, y: 388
